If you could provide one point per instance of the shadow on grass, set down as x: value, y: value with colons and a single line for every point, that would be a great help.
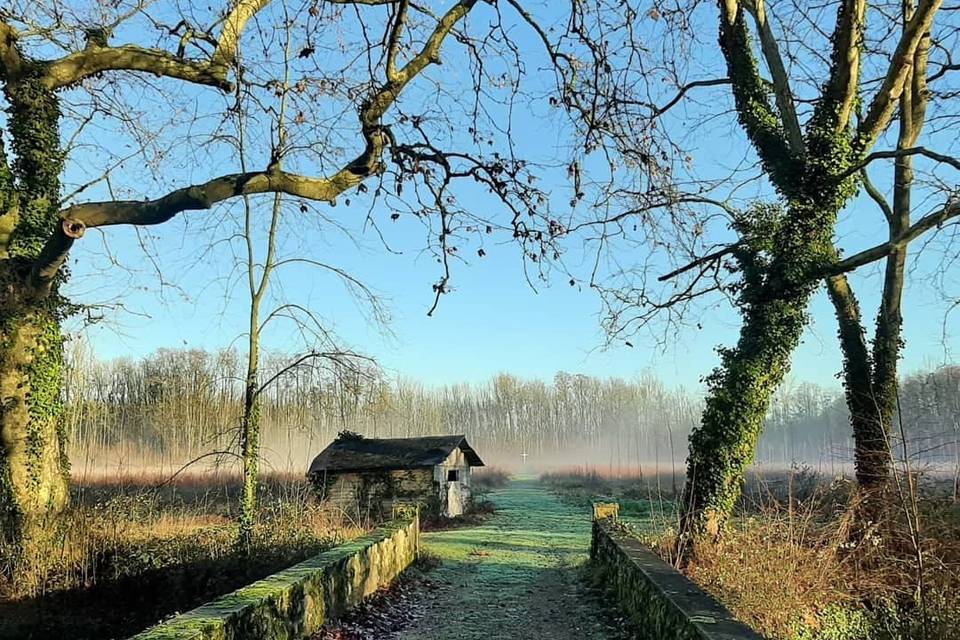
x: 123, y: 607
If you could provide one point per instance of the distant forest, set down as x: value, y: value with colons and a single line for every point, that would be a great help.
x: 177, y: 404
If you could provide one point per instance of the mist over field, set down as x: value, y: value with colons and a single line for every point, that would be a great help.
x: 176, y: 406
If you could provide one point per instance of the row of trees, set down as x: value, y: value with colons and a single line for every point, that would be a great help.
x: 176, y: 405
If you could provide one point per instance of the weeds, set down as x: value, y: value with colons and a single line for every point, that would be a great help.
x: 132, y: 549
x: 477, y: 512
x: 485, y: 479
x: 787, y: 566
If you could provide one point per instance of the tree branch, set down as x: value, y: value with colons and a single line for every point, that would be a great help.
x: 659, y: 111
x: 878, y: 252
x: 781, y: 82
x: 94, y: 59
x: 942, y: 71
x: 206, y: 195
x: 761, y: 123
x: 900, y: 153
x: 935, y: 219
x: 377, y: 105
x: 229, y: 42
x: 77, y: 218
x: 881, y: 108
x: 393, y: 42
x: 707, y: 259
x: 9, y: 53
x: 875, y: 194
x: 77, y: 66
x: 338, y: 357
x: 841, y: 91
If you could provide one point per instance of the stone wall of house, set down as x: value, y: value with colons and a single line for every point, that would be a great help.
x: 375, y: 494
x: 295, y: 603
x: 659, y: 600
x: 454, y: 495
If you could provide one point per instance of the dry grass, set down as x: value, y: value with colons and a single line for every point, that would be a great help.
x: 133, y: 547
x: 489, y: 478
x: 787, y: 568
x: 778, y: 572
x: 609, y: 480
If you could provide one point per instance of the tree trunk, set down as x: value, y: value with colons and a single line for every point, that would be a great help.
x: 777, y: 253
x: 250, y: 452
x: 868, y: 417
x: 250, y: 430
x: 33, y: 461
x: 870, y: 379
x: 739, y: 391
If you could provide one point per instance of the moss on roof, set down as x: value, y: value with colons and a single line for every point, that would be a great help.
x: 354, y: 453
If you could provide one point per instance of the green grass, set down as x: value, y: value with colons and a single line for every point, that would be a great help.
x: 516, y: 575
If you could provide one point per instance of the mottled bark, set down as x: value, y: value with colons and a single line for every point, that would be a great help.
x: 33, y: 462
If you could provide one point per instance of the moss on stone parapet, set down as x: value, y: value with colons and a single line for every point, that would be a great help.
x: 659, y: 600
x: 295, y: 602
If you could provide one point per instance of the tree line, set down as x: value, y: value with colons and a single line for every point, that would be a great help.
x: 178, y: 404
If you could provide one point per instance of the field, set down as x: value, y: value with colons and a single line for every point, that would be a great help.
x: 787, y: 565
x: 136, y: 547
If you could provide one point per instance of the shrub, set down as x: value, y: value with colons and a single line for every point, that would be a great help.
x: 489, y: 478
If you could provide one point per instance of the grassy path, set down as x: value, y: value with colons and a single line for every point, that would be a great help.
x: 516, y: 576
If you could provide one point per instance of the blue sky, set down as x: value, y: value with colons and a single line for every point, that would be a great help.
x: 493, y: 320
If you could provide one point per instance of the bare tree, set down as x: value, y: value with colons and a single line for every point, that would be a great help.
x: 261, y: 265
x: 63, y: 78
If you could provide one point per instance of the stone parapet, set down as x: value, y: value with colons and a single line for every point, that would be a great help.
x: 295, y: 602
x: 660, y: 601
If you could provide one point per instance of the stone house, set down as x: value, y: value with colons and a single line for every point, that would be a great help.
x: 370, y: 476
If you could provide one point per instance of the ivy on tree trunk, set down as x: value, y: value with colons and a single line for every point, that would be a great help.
x: 33, y: 461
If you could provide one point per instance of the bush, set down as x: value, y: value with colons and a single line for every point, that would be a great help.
x: 489, y: 478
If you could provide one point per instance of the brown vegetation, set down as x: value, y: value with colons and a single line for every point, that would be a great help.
x: 489, y: 478
x: 136, y: 547
x: 786, y: 565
